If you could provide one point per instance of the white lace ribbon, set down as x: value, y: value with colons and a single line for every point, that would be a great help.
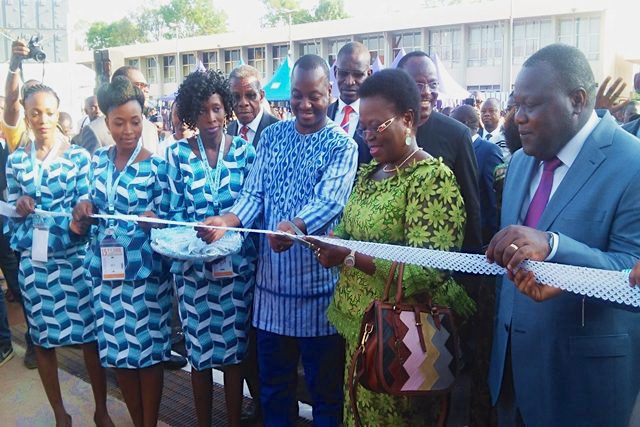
x: 607, y: 285
x: 603, y: 284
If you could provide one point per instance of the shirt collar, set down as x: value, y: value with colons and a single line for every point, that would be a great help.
x: 253, y: 125
x: 570, y: 151
x: 355, y: 105
x: 474, y: 137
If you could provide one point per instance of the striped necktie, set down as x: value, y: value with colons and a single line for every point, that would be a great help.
x: 344, y: 124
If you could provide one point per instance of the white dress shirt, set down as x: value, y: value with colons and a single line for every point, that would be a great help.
x: 253, y: 127
x: 353, y: 118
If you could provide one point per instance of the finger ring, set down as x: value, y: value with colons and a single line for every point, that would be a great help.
x: 317, y: 252
x: 514, y: 246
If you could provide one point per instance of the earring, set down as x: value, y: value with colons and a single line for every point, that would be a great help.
x: 407, y: 136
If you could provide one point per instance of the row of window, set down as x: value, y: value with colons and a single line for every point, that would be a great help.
x: 485, y: 47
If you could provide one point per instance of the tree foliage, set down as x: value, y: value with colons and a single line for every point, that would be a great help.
x: 278, y: 12
x: 178, y: 18
x: 122, y: 32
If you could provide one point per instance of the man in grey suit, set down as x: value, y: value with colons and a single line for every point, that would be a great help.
x: 96, y: 135
x: 247, y: 95
x: 571, y: 197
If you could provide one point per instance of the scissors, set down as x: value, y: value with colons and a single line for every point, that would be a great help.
x: 298, y: 236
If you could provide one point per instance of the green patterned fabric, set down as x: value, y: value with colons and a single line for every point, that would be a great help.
x: 421, y: 206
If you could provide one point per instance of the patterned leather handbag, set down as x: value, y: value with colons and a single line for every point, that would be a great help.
x: 405, y: 349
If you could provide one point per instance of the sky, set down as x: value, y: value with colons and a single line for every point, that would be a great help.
x: 241, y: 13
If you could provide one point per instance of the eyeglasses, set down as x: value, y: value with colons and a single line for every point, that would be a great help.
x: 141, y: 85
x: 431, y: 85
x: 381, y: 128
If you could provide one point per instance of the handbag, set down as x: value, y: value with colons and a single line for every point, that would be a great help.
x: 405, y: 349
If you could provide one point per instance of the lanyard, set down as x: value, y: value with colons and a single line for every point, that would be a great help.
x: 38, y: 169
x: 214, y: 182
x: 111, y: 184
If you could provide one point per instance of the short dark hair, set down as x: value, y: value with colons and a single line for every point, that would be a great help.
x: 117, y: 93
x: 571, y: 67
x: 351, y: 47
x: 468, y: 116
x: 397, y: 87
x: 311, y: 62
x: 38, y: 88
x: 413, y: 54
x: 124, y: 71
x: 196, y: 89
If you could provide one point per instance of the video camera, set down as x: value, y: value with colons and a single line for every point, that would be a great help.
x: 35, y: 51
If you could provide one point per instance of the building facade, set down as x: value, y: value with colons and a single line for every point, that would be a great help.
x: 482, y: 45
x: 48, y: 19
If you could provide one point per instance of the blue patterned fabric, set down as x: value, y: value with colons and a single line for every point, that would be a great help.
x: 308, y: 176
x: 132, y: 316
x: 215, y: 314
x: 57, y: 299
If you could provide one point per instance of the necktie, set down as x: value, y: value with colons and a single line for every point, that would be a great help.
x: 541, y: 196
x: 489, y: 136
x: 344, y: 124
x: 243, y: 132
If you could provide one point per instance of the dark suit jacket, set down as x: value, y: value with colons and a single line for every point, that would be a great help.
x: 575, y: 360
x: 632, y: 127
x: 267, y: 119
x: 364, y: 156
x: 488, y: 156
x: 444, y: 137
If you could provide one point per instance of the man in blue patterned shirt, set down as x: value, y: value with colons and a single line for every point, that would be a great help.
x: 303, y: 173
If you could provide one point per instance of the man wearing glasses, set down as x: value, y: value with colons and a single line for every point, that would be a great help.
x: 442, y: 136
x: 351, y: 69
x: 96, y: 134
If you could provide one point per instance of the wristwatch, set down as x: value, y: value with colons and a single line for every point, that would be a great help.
x: 350, y: 260
x: 551, y: 238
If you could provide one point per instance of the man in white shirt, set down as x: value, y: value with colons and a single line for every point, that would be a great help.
x: 248, y: 97
x: 492, y: 128
x: 352, y: 68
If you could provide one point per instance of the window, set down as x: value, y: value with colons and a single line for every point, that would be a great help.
x: 583, y: 33
x: 446, y: 44
x: 188, y: 64
x: 279, y: 53
x: 257, y: 59
x: 210, y: 60
x: 484, y: 88
x: 407, y: 41
x: 151, y: 69
x: 309, y: 48
x: 134, y: 63
x: 485, y: 45
x: 529, y: 37
x: 334, y: 48
x: 231, y: 59
x: 375, y: 44
x: 169, y: 69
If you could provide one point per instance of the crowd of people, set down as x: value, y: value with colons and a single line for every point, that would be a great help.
x: 547, y: 177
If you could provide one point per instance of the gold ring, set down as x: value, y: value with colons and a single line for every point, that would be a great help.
x: 514, y: 246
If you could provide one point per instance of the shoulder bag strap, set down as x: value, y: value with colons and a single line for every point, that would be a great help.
x: 387, y: 287
x: 355, y: 373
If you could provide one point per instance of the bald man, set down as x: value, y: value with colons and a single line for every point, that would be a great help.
x: 352, y: 69
x: 444, y: 137
x: 492, y: 129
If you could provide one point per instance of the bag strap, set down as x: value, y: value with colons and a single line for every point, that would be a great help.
x: 387, y: 286
x: 399, y: 283
x: 355, y: 373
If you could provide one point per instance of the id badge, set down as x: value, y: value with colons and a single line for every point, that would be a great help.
x: 40, y: 244
x: 223, y: 269
x: 112, y: 257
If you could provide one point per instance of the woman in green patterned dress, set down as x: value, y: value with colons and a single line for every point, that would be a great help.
x: 403, y: 197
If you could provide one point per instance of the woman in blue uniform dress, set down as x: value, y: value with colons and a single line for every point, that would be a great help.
x: 214, y: 299
x: 50, y: 174
x: 132, y: 293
